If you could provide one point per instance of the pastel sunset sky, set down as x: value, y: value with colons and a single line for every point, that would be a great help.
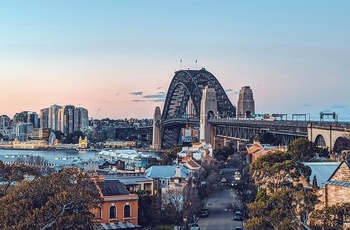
x: 120, y: 56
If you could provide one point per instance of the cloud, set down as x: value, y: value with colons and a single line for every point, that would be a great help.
x: 306, y: 105
x: 116, y: 94
x: 339, y: 106
x: 159, y: 87
x: 138, y: 100
x: 159, y: 100
x: 136, y: 93
x: 157, y: 95
x: 231, y: 91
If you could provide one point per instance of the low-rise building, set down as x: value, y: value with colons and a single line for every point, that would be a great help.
x: 119, y: 206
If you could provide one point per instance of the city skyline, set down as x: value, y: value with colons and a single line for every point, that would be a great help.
x: 117, y: 58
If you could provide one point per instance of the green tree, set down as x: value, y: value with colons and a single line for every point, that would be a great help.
x: 330, y: 218
x: 62, y: 200
x: 302, y: 149
x: 222, y: 153
x: 170, y: 156
x: 14, y: 173
x: 277, y: 170
x: 266, y: 138
x: 149, y: 209
x: 37, y: 163
x: 281, y: 210
x: 73, y: 138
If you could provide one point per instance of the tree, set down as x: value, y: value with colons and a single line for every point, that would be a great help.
x: 14, y: 173
x: 62, y: 200
x: 174, y: 204
x: 278, y: 169
x: 266, y: 138
x: 170, y: 156
x: 281, y: 210
x: 223, y: 153
x: 149, y: 209
x: 302, y: 149
x: 330, y: 218
x: 37, y: 163
x: 73, y: 138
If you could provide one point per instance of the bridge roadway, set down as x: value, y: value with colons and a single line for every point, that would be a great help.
x: 244, y: 129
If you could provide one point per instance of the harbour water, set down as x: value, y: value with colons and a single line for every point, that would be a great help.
x: 58, y: 157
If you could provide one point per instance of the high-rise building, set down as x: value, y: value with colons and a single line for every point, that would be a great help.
x: 245, y: 104
x: 4, y: 121
x: 53, y: 117
x: 27, y: 117
x: 44, y: 118
x: 32, y: 117
x: 81, y: 119
x: 66, y: 119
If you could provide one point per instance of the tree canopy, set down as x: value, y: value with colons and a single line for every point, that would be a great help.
x: 278, y: 169
x: 280, y: 210
x: 61, y: 200
x: 302, y: 149
x: 332, y: 218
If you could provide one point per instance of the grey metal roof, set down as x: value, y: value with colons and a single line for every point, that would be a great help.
x: 130, y: 180
x: 166, y: 171
x: 339, y: 183
x: 322, y: 170
x: 112, y: 188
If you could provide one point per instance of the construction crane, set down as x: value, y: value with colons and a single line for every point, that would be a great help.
x: 93, y: 119
x: 97, y: 112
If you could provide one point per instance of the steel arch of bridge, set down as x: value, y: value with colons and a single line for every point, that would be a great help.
x: 186, y: 89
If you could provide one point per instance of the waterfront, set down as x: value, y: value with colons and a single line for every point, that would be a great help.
x: 58, y: 157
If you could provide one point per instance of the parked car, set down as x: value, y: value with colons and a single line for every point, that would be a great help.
x: 205, y: 212
x: 238, y: 215
x: 195, y: 227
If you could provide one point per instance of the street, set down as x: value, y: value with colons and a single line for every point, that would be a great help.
x: 221, y: 213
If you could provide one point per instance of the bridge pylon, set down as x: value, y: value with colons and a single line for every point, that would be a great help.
x: 208, y: 110
x: 157, y: 137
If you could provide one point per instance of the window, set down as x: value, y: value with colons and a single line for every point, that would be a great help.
x: 127, y: 211
x: 112, y: 212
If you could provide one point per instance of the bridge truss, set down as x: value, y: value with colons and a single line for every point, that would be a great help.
x: 183, y: 102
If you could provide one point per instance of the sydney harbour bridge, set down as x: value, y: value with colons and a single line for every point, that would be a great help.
x: 182, y: 106
x: 196, y: 101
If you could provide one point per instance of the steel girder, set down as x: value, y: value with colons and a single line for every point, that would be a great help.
x: 238, y: 132
x: 185, y: 87
x: 188, y: 84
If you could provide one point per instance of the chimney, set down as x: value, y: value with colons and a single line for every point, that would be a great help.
x: 178, y: 171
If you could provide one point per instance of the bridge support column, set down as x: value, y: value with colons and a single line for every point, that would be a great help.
x: 207, y: 111
x: 157, y: 137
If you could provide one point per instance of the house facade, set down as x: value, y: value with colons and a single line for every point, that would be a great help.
x: 119, y: 206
